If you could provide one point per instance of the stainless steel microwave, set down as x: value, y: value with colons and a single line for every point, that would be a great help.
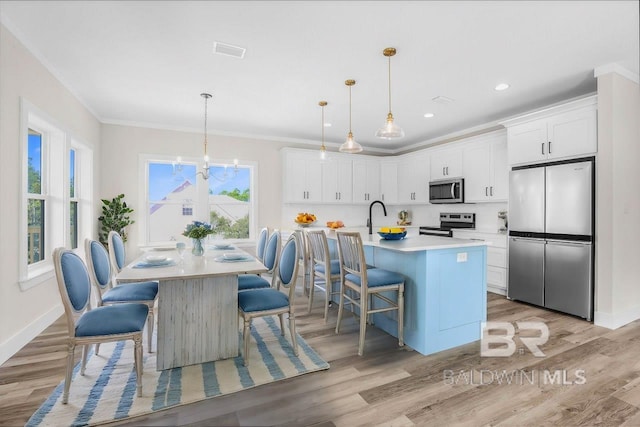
x: 447, y: 191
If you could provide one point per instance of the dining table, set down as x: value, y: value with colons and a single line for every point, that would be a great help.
x: 197, y: 307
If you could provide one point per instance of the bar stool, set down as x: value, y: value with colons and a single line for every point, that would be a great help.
x: 323, y: 270
x: 366, y: 284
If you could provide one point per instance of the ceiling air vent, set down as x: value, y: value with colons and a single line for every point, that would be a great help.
x: 442, y: 100
x: 228, y: 50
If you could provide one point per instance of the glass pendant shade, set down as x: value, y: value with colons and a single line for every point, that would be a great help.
x: 350, y: 145
x: 390, y: 130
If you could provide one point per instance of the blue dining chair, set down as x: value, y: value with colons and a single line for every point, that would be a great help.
x: 117, y: 254
x: 324, y: 270
x: 271, y: 301
x: 261, y: 244
x: 107, y: 294
x: 88, y: 326
x: 272, y: 250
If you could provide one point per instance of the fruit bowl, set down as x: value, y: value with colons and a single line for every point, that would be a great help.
x: 334, y: 225
x: 392, y: 236
x: 304, y: 224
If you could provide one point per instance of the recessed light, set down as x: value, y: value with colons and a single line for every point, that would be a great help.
x: 429, y: 115
x: 327, y: 125
x: 502, y: 86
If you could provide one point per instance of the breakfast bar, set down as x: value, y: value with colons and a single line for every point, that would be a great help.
x: 445, y: 288
x: 197, y: 306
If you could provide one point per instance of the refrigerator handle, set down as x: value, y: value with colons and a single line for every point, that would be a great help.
x: 453, y: 192
x: 569, y: 243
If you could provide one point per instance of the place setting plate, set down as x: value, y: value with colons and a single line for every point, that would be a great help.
x: 234, y: 257
x: 151, y: 261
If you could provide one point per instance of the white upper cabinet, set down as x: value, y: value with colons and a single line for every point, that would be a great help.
x: 561, y: 132
x: 446, y: 163
x: 337, y: 180
x: 366, y: 180
x: 486, y: 172
x: 389, y: 181
x: 413, y: 178
x: 302, y: 176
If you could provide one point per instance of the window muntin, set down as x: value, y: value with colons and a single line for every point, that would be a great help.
x: 73, y: 201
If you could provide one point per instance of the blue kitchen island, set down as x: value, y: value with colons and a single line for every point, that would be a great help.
x: 445, y: 288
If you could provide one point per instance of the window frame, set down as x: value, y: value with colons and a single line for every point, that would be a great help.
x: 201, y: 204
x: 56, y: 145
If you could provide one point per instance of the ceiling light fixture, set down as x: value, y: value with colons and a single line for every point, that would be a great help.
x: 502, y: 86
x: 390, y: 130
x: 350, y: 145
x: 323, y: 149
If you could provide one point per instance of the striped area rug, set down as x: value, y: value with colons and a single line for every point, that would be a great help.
x: 107, y: 391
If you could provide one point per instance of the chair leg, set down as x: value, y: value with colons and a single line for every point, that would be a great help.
x: 150, y: 325
x: 340, y: 307
x: 97, y: 349
x: 370, y: 305
x: 328, y: 285
x: 401, y: 315
x: 364, y: 302
x: 312, y: 290
x: 85, y: 355
x: 67, y: 377
x: 245, y: 336
x: 281, y: 316
x: 137, y: 354
x: 292, y: 329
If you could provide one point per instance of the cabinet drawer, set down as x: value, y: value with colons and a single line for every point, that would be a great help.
x: 497, y: 277
x: 497, y: 257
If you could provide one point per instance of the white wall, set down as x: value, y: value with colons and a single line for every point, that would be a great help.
x: 24, y: 314
x: 123, y: 144
x: 618, y: 202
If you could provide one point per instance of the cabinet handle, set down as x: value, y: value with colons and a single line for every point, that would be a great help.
x: 549, y: 147
x: 339, y: 196
x: 447, y: 168
x: 383, y: 197
x: 542, y: 148
x: 443, y: 171
x: 486, y: 191
x: 491, y: 191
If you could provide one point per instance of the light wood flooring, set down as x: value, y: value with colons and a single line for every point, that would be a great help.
x: 392, y: 386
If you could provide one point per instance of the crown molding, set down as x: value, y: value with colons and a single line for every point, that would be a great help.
x: 618, y: 69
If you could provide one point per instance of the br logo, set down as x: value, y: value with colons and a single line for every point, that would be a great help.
x: 504, y: 344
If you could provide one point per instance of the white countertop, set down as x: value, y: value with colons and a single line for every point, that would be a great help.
x: 413, y: 243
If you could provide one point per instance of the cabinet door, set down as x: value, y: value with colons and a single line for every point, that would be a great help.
x: 527, y: 142
x: 446, y: 164
x: 336, y: 181
x: 366, y: 181
x: 499, y: 188
x: 413, y: 179
x: 389, y: 182
x: 406, y: 181
x: 477, y: 172
x: 573, y: 133
x: 295, y: 178
x: 313, y: 180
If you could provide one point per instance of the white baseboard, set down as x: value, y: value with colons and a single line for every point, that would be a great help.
x: 496, y: 290
x: 22, y: 338
x: 616, y: 320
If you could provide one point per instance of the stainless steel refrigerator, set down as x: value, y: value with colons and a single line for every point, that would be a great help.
x: 551, y: 230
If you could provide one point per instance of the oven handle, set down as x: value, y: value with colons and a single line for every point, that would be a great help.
x: 453, y: 192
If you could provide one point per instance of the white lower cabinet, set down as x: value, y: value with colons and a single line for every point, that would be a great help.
x: 496, y: 258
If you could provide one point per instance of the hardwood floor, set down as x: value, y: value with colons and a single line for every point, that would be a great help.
x: 399, y: 387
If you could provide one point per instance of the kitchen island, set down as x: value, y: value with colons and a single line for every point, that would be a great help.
x: 445, y: 288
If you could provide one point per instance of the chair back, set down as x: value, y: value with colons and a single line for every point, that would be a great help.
x: 287, y: 272
x: 351, y: 255
x: 74, y: 285
x: 261, y: 244
x: 116, y: 251
x: 272, y: 251
x: 99, y: 266
x: 319, y: 248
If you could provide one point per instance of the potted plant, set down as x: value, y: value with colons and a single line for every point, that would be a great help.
x: 115, y: 216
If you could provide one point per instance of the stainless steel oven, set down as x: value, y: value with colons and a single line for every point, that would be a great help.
x: 449, y: 222
x: 447, y: 191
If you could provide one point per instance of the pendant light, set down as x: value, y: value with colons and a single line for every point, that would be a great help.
x: 323, y: 149
x: 390, y: 130
x: 350, y: 145
x: 205, y: 167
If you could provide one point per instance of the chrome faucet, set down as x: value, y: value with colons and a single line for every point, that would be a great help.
x: 369, y: 222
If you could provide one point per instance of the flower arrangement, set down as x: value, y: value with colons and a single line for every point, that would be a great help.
x: 198, y: 230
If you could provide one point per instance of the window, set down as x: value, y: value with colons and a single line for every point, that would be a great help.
x: 57, y: 206
x: 73, y: 201
x: 176, y: 195
x: 35, y: 199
